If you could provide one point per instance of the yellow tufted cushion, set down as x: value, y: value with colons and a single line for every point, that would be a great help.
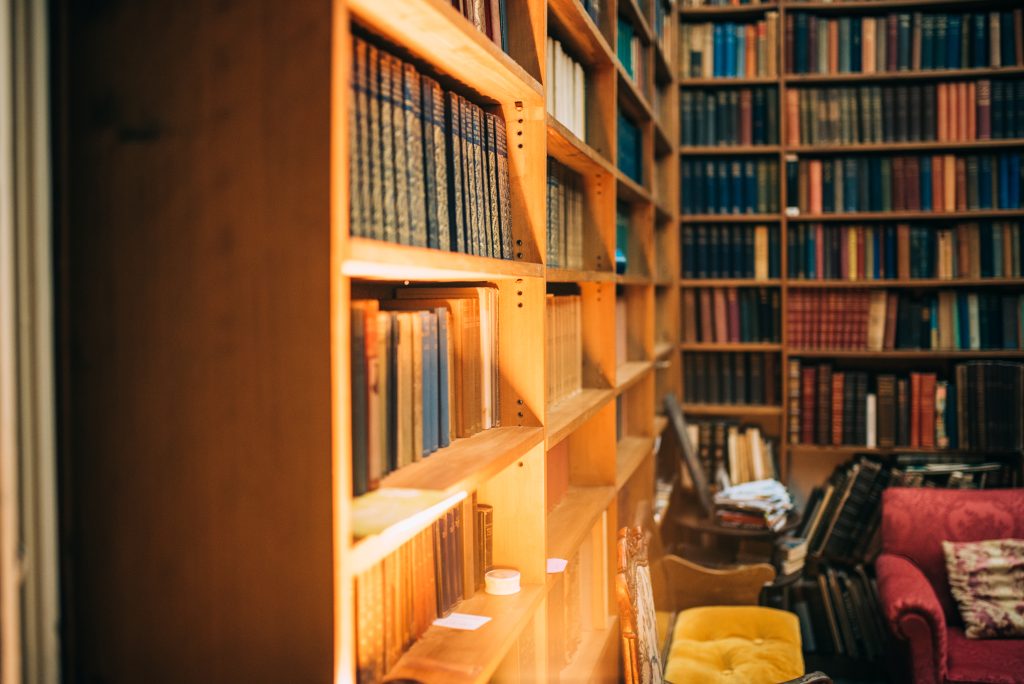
x: 735, y: 645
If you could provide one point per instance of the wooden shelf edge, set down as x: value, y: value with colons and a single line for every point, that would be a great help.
x: 924, y: 145
x: 436, y: 32
x: 456, y: 656
x: 847, y: 450
x: 932, y: 74
x: 803, y: 284
x: 663, y: 349
x: 730, y: 346
x: 630, y: 452
x: 660, y: 423
x: 566, y: 416
x: 908, y: 353
x: 574, y: 516
x: 731, y: 218
x: 738, y: 410
x: 718, y: 10
x: 569, y: 275
x: 587, y: 38
x: 630, y: 373
x: 721, y: 81
x: 714, y: 150
x: 630, y: 279
x: 730, y: 282
x: 633, y: 96
x: 378, y: 260
x: 633, y: 192
x: 567, y: 148
x: 893, y: 216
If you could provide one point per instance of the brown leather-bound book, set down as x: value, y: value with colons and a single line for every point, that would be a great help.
x: 485, y: 541
x: 915, y: 42
x: 952, y: 111
x: 867, y: 42
x: 972, y: 119
x: 707, y: 321
x: 938, y: 184
x: 926, y: 426
x: 903, y: 251
x: 771, y: 379
x: 899, y: 183
x: 949, y: 181
x: 793, y: 399
x: 947, y: 304
x: 788, y: 57
x: 814, y: 185
x: 689, y: 315
x: 751, y: 50
x: 912, y: 181
x: 892, y: 27
x: 902, y: 412
x: 876, y: 320
x: 942, y: 113
x: 915, y: 409
x: 823, y: 424
x: 793, y: 116
x: 808, y: 404
x: 721, y: 315
x: 963, y: 114
x: 803, y: 185
x: 886, y: 385
x: 891, y: 318
x: 733, y: 309
x: 961, y: 183
x: 838, y: 383
x: 1018, y: 35
x: 746, y: 112
x: 833, y: 46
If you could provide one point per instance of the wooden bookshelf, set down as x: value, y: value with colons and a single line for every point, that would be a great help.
x: 507, y: 466
x: 801, y: 464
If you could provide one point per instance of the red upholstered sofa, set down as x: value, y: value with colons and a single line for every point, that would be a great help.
x: 913, y: 587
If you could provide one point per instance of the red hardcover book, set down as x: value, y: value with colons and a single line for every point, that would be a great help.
x: 746, y: 108
x: 984, y: 115
x: 972, y: 118
x: 912, y: 180
x: 790, y: 19
x: 733, y: 303
x: 891, y: 306
x: 838, y: 381
x: 892, y: 32
x: 707, y: 325
x: 937, y: 183
x: 808, y: 403
x: 721, y: 316
x: 941, y: 114
x: 899, y: 184
x: 915, y: 409
x: 926, y: 424
x: 961, y: 184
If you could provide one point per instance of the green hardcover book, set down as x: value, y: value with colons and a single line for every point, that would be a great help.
x: 358, y: 174
x: 493, y: 210
x: 885, y: 165
x: 375, y: 149
x: 415, y: 168
x: 456, y: 195
x: 387, y: 153
x: 504, y: 189
x: 398, y: 147
x: 477, y: 177
x: 435, y: 162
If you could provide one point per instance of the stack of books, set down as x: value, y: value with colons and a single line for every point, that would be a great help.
x: 760, y: 504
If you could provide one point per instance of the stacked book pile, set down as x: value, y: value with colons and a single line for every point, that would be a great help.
x: 761, y: 504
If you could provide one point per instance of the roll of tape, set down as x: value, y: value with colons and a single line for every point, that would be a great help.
x: 502, y: 582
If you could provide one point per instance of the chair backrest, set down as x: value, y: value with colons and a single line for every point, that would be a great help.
x: 915, y: 522
x: 634, y: 594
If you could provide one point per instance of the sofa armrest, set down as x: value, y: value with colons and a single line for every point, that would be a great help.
x: 913, y: 613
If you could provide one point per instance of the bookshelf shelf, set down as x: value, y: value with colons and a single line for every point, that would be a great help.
x: 727, y: 11
x: 663, y: 69
x: 910, y: 353
x: 631, y: 191
x: 728, y: 150
x: 631, y: 279
x: 967, y: 214
x: 455, y: 655
x: 795, y: 283
x: 434, y: 31
x: 633, y: 100
x: 731, y: 410
x: 730, y: 218
x: 376, y: 260
x: 727, y: 82
x: 573, y: 517
x: 568, y: 275
x: 468, y: 461
x: 564, y: 146
x: 662, y: 142
x: 907, y: 146
x: 630, y: 373
x: 572, y: 23
x: 631, y: 9
x: 662, y: 349
x: 910, y: 75
x: 857, y: 6
x: 630, y: 452
x: 566, y: 416
x: 730, y: 346
x: 847, y: 450
x: 729, y: 282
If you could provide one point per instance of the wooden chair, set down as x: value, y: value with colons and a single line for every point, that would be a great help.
x: 682, y: 622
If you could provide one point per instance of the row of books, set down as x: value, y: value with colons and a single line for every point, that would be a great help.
x: 731, y: 378
x: 564, y: 347
x: 729, y: 186
x: 564, y: 217
x: 399, y: 598
x: 874, y: 320
x: 731, y: 314
x: 902, y: 41
x: 729, y: 116
x: 943, y: 182
x: 424, y: 372
x: 960, y: 111
x: 490, y: 17
x: 632, y: 54
x: 730, y: 453
x: 428, y: 167
x: 839, y: 613
x: 730, y: 251
x: 978, y: 407
x: 566, y: 89
x: 630, y: 148
x: 730, y: 49
x: 989, y: 249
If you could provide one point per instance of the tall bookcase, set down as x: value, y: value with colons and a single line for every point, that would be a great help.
x: 804, y: 465
x: 608, y: 457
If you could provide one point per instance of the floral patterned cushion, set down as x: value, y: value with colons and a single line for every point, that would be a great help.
x: 987, y: 581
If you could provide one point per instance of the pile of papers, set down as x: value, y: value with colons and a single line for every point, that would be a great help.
x: 759, y: 505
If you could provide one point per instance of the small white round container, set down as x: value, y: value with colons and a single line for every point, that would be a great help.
x: 502, y: 582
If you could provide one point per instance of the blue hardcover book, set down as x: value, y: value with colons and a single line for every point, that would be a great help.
x: 1014, y: 169
x: 934, y: 323
x: 845, y: 48
x: 927, y: 40
x: 711, y: 188
x: 741, y: 52
x: 987, y: 244
x: 1004, y: 180
x: 963, y: 329
x: 724, y: 197
x: 979, y: 58
x: 812, y: 270
x: 926, y: 183
x: 997, y: 251
x: 801, y: 45
x: 774, y: 254
x: 850, y: 188
x: 876, y: 241
x: 730, y: 50
x: 855, y: 44
x: 718, y: 47
x: 954, y: 35
x: 444, y: 410
x: 903, y: 40
x: 1006, y: 41
x: 736, y: 189
x: 624, y: 47
x: 940, y: 40
x: 750, y: 172
x: 875, y: 182
x: 985, y: 163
